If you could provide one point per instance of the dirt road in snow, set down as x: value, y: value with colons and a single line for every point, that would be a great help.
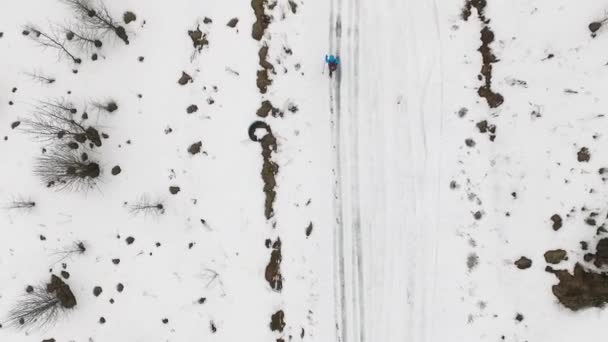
x: 386, y: 108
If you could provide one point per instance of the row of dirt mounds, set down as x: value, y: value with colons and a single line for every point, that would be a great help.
x: 269, y: 167
x: 268, y: 143
x: 493, y: 98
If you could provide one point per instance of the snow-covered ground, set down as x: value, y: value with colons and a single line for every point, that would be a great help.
x: 402, y: 197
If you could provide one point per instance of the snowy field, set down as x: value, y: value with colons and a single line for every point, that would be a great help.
x: 188, y: 171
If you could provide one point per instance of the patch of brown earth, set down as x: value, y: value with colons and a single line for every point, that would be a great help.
x: 557, y: 222
x: 269, y: 167
x: 293, y: 6
x: 581, y: 289
x: 273, y: 269
x: 267, y: 108
x: 523, y: 263
x: 62, y: 291
x: 493, y: 99
x: 277, y: 321
x: 199, y: 39
x: 262, y: 20
x: 484, y: 127
x: 195, y: 148
x: 263, y: 76
x: 601, y: 253
x: 232, y: 23
x: 555, y: 256
x: 583, y: 155
x: 184, y: 79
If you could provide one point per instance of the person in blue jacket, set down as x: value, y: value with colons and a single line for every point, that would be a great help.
x: 333, y: 62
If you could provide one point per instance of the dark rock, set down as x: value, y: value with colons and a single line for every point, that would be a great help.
x: 116, y: 170
x: 557, y: 222
x: 174, y: 190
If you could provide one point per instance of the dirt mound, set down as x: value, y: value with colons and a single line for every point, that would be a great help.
x: 277, y: 321
x: 493, y: 99
x: 555, y: 256
x: 582, y: 289
x: 62, y: 291
x: 262, y: 20
x: 557, y: 222
x: 601, y: 253
x: 523, y: 263
x: 273, y: 269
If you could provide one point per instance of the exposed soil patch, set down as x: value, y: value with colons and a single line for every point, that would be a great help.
x: 195, y: 148
x: 232, y: 23
x: 174, y: 190
x: 486, y: 128
x: 583, y: 155
x: 277, y: 321
x: 309, y: 230
x: 262, y: 20
x: 62, y: 291
x: 601, y: 253
x: 184, y: 79
x: 199, y: 39
x: 493, y: 99
x: 192, y: 109
x: 269, y: 167
x: 293, y: 6
x: 273, y: 269
x: 116, y: 170
x: 129, y: 17
x: 582, y: 289
x: 267, y: 108
x: 523, y: 263
x: 263, y: 76
x: 555, y: 256
x: 557, y: 222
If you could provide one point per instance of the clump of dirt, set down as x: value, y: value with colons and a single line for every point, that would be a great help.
x: 263, y: 78
x: 472, y: 261
x: 192, y: 109
x: 277, y: 321
x: 596, y: 26
x: 195, y: 148
x: 555, y: 256
x: 293, y: 6
x: 581, y: 289
x: 583, y: 155
x: 273, y: 269
x: 116, y: 170
x: 15, y: 124
x: 484, y: 127
x: 199, y: 39
x: 493, y: 99
x: 557, y: 222
x: 262, y: 20
x: 309, y: 230
x: 174, y: 190
x: 269, y: 167
x: 129, y: 17
x: 97, y: 290
x: 184, y: 79
x: 523, y: 263
x: 232, y: 23
x: 601, y: 253
x: 62, y: 291
x: 207, y: 20
x: 267, y: 108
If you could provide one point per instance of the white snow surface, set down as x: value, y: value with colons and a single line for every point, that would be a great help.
x: 395, y: 253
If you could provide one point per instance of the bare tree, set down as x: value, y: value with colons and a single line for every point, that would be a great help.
x: 40, y: 77
x: 83, y: 37
x: 66, y: 169
x: 41, y: 306
x: 96, y: 16
x: 107, y: 105
x: 20, y: 203
x: 49, y: 40
x: 55, y: 119
x: 147, y: 206
x: 76, y: 248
